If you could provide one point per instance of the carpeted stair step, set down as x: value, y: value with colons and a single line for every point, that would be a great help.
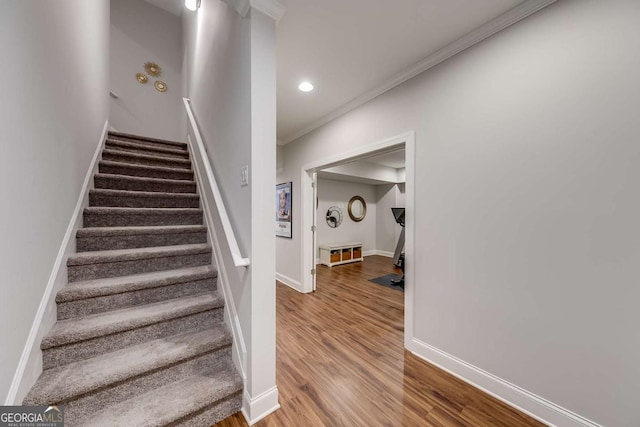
x: 136, y: 147
x: 131, y: 169
x: 72, y: 340
x: 132, y: 217
x: 140, y: 336
x: 89, y: 385
x: 132, y: 183
x: 200, y: 400
x: 147, y: 140
x: 123, y: 262
x: 142, y: 199
x: 112, y: 238
x: 89, y: 297
x: 144, y: 159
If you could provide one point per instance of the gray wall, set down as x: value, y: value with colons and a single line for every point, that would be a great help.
x: 526, y: 233
x: 338, y: 193
x: 141, y: 33
x: 53, y: 109
x: 229, y: 67
x: 387, y: 229
x: 222, y: 108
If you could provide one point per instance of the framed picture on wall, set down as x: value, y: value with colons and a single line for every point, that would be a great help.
x: 283, y: 210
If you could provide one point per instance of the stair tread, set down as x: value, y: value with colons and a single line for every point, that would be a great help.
x: 109, y: 216
x: 144, y: 178
x: 148, y: 167
x: 66, y: 382
x: 114, y: 285
x: 141, y: 211
x: 171, y: 402
x: 135, y: 193
x: 95, y: 257
x: 84, y: 328
x: 146, y: 156
x: 139, y: 230
x: 147, y: 138
x: 154, y: 338
x: 145, y: 145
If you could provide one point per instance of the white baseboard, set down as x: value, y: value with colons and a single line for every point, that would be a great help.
x: 289, y: 282
x: 231, y: 319
x: 30, y: 364
x: 385, y: 253
x: 377, y: 252
x: 255, y: 409
x: 517, y: 397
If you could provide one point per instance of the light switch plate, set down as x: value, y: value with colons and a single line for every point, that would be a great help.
x: 244, y: 179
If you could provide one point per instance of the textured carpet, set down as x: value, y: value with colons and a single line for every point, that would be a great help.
x: 140, y: 338
x: 386, y: 281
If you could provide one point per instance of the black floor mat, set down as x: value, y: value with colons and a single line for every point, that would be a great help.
x: 386, y: 281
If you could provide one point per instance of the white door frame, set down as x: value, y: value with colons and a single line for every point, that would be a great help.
x: 314, y: 220
x: 406, y: 140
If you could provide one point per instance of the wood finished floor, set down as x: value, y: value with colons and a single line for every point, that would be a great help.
x: 341, y: 362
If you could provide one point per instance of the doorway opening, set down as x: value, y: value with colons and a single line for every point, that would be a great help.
x: 311, y: 216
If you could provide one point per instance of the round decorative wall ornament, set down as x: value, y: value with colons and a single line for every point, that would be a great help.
x: 142, y: 78
x: 160, y: 86
x: 357, y: 208
x: 153, y: 69
x: 334, y: 217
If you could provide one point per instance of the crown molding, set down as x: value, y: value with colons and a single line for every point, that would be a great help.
x: 240, y: 6
x: 272, y: 8
x: 492, y: 27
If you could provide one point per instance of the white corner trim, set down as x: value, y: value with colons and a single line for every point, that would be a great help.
x: 230, y: 312
x: 292, y: 283
x: 272, y: 8
x: 31, y: 350
x: 517, y: 397
x: 492, y: 27
x: 255, y: 409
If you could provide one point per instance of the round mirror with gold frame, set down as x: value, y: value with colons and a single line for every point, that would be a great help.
x: 357, y: 208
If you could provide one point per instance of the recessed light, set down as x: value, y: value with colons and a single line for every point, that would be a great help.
x: 192, y: 5
x: 305, y: 87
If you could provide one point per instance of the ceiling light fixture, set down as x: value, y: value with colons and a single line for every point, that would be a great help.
x: 192, y: 5
x: 305, y: 87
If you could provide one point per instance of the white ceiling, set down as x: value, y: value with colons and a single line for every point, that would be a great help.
x: 351, y: 178
x: 347, y: 48
x: 375, y: 170
x: 394, y: 159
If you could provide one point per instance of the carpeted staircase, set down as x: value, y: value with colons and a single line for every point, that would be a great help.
x: 140, y: 339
